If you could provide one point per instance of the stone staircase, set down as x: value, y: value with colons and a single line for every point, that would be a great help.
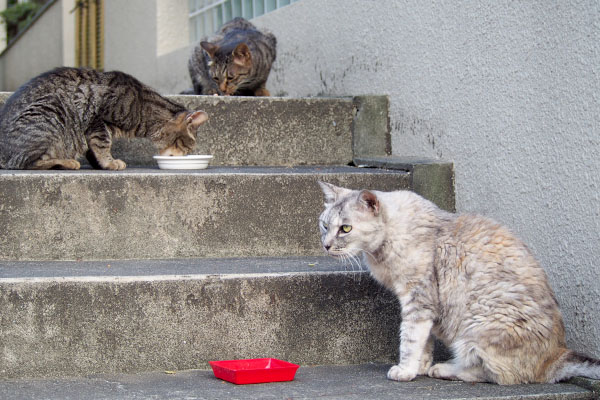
x: 117, y: 276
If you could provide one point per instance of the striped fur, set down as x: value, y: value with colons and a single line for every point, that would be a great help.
x: 464, y: 279
x: 66, y: 113
x: 236, y: 61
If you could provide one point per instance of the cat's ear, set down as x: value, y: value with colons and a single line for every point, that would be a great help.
x: 370, y: 201
x: 332, y: 192
x: 242, y: 56
x: 196, y: 118
x: 210, y: 48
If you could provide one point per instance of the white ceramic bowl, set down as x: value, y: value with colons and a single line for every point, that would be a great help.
x: 193, y: 161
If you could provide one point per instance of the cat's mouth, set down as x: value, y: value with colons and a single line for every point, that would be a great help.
x: 172, y: 151
x: 346, y: 256
x: 336, y: 252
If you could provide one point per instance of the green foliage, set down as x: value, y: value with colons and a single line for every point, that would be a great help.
x: 17, y: 16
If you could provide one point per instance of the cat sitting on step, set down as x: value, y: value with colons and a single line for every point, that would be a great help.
x: 237, y: 61
x: 464, y: 279
x: 66, y: 113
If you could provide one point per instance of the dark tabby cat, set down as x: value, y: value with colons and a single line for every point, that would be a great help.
x: 237, y: 61
x: 65, y: 113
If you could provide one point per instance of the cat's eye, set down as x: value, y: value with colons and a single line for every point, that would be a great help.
x: 325, y: 225
x: 346, y: 228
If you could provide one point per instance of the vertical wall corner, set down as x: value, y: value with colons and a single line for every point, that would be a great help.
x: 371, y: 127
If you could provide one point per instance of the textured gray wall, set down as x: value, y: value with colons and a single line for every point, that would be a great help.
x: 130, y: 38
x: 507, y: 90
x: 149, y: 39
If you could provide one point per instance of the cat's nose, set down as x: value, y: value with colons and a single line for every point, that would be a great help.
x: 326, y: 247
x: 171, y: 151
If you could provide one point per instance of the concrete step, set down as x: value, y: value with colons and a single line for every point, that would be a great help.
x: 274, y: 131
x: 78, y: 318
x: 153, y: 214
x: 356, y: 382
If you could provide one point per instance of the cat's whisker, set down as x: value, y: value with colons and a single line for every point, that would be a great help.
x: 360, y: 266
x: 357, y: 258
x: 346, y: 261
x: 353, y: 260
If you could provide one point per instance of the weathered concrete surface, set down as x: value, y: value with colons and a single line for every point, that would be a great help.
x: 356, y: 382
x: 180, y: 267
x: 590, y: 384
x: 274, y: 131
x: 432, y: 179
x: 65, y: 326
x: 265, y: 131
x: 217, y: 212
x: 371, y: 127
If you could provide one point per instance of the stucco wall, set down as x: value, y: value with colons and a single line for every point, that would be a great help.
x: 130, y: 37
x: 48, y: 43
x: 506, y: 90
x: 148, y: 39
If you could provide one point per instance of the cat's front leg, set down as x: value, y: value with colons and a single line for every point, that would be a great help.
x: 99, y: 141
x: 262, y: 91
x: 48, y: 163
x: 427, y: 357
x: 414, y: 335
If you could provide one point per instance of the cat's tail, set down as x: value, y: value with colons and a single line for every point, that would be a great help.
x: 572, y: 364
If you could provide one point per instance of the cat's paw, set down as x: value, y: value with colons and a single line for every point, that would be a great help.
x: 400, y: 373
x: 442, y: 371
x: 70, y: 164
x: 426, y: 361
x: 262, y: 92
x: 116, y: 165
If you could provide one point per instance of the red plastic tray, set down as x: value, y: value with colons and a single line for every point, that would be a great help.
x: 255, y: 370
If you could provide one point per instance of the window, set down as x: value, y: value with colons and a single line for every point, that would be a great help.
x: 207, y: 16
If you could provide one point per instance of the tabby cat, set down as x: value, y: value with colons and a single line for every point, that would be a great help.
x: 464, y: 279
x: 237, y: 61
x: 60, y: 115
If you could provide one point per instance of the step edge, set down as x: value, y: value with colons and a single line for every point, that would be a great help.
x: 172, y: 278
